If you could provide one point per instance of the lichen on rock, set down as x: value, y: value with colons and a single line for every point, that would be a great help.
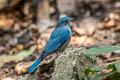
x: 71, y: 65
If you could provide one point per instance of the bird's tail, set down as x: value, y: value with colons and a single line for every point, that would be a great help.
x: 34, y: 65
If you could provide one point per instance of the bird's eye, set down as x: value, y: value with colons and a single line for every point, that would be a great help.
x: 66, y: 21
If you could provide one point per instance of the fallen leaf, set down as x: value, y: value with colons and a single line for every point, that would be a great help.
x: 18, y: 57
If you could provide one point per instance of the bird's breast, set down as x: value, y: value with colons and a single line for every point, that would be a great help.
x: 69, y: 30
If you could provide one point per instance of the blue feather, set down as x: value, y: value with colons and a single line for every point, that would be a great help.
x: 34, y: 65
x: 57, y: 39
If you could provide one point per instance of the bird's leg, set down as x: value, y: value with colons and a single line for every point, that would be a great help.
x: 57, y: 55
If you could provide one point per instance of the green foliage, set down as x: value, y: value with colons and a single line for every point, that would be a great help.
x: 102, y: 76
x: 101, y: 50
x: 25, y: 53
x: 114, y: 74
x: 117, y: 65
x: 95, y: 69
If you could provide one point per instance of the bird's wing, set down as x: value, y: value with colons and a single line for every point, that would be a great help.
x: 56, y: 40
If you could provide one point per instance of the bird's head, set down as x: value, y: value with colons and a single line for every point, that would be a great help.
x: 64, y: 21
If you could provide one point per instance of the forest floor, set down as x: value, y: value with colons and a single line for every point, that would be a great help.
x: 22, y: 44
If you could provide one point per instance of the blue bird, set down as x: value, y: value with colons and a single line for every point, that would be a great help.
x: 58, y: 41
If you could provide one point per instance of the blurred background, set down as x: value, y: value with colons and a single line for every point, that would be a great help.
x: 25, y: 26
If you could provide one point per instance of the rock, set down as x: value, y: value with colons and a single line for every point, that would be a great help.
x: 71, y: 65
